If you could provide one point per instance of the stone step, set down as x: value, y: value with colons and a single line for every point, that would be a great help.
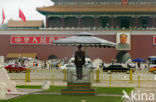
x: 78, y: 91
x: 80, y: 88
x: 78, y: 85
x: 86, y: 83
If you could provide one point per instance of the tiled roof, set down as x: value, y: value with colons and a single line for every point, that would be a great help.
x: 28, y: 23
x: 98, y: 8
x: 17, y: 55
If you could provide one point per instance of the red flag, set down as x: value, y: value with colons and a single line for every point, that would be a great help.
x: 21, y: 15
x: 124, y: 2
x: 3, y: 16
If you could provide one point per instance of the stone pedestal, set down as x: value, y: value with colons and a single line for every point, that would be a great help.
x: 78, y: 89
x: 79, y: 86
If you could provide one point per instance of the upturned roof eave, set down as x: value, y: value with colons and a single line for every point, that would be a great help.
x: 48, y: 13
x: 99, y: 9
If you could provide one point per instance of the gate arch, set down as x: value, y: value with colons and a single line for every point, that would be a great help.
x: 123, y: 57
x: 52, y: 57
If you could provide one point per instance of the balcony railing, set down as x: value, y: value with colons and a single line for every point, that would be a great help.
x: 94, y: 28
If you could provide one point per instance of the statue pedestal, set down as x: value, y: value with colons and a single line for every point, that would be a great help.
x: 76, y: 86
x: 78, y: 89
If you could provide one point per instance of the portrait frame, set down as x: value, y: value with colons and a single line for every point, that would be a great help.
x: 119, y: 45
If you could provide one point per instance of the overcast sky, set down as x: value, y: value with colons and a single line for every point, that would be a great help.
x: 11, y: 8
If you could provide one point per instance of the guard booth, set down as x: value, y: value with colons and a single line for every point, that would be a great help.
x: 79, y: 86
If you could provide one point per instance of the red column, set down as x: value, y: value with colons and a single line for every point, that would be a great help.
x: 95, y: 22
x: 153, y: 22
x: 112, y: 22
x: 136, y: 22
x: 79, y: 22
x: 62, y: 22
x: 47, y: 24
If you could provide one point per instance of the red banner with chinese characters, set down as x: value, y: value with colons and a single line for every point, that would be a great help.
x: 34, y: 40
x: 154, y: 40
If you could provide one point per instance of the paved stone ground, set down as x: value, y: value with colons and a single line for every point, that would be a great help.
x: 21, y: 92
x: 143, y: 98
x: 102, y: 83
x: 146, y: 87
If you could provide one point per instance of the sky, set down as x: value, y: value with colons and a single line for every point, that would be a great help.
x: 11, y: 9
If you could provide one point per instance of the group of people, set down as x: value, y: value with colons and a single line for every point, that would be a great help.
x: 36, y: 63
x: 49, y: 64
x: 18, y: 62
x: 141, y: 65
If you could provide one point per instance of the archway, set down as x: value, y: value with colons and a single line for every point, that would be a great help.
x: 104, y: 22
x: 124, y: 22
x: 87, y: 22
x: 52, y: 57
x: 123, y: 57
x: 144, y: 22
x: 55, y: 22
x: 71, y: 22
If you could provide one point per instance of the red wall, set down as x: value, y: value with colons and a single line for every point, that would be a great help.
x: 142, y: 47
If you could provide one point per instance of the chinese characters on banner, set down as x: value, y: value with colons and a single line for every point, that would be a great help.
x: 154, y: 40
x: 34, y: 40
